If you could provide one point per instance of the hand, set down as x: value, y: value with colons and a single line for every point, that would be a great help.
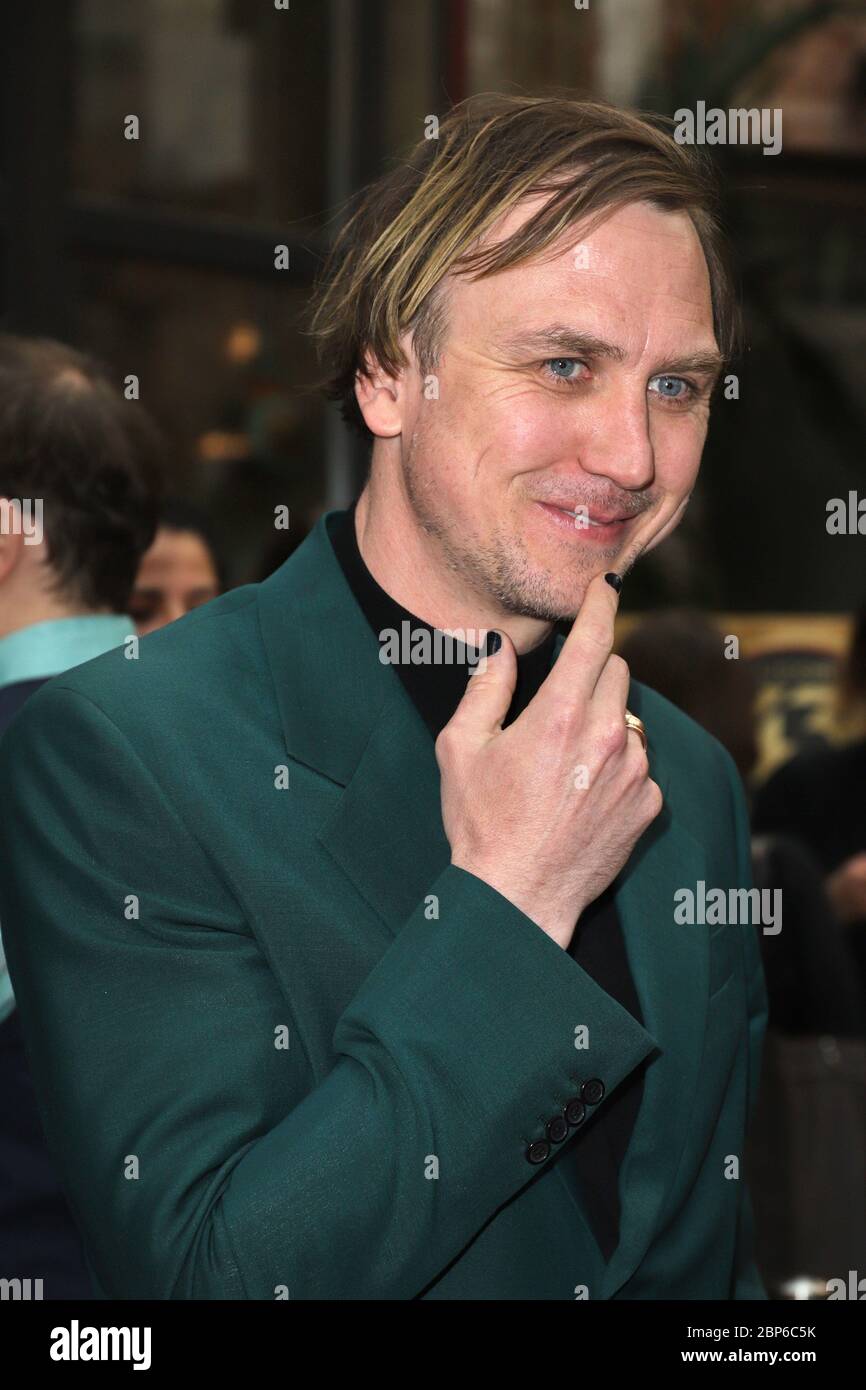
x: 517, y: 810
x: 847, y: 889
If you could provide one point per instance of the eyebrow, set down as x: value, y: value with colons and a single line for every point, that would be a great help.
x: 557, y: 338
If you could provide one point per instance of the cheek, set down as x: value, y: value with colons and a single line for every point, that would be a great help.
x: 516, y: 434
x: 677, y: 447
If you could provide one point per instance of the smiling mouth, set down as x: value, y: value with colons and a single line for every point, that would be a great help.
x: 583, y: 517
x: 592, y: 520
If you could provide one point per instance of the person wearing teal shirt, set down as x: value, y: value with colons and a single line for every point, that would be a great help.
x: 78, y: 506
x: 34, y: 654
x: 43, y: 649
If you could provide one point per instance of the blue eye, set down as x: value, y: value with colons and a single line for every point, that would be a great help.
x: 671, y: 388
x: 555, y: 363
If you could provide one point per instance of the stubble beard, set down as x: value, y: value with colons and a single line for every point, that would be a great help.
x: 499, y: 568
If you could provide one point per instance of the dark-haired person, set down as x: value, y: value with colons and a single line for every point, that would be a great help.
x: 78, y: 497
x: 179, y: 572
x: 811, y: 985
x: 404, y: 1008
x: 819, y: 796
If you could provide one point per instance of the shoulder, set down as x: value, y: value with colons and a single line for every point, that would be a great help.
x: 12, y: 697
x: 185, y: 672
x: 823, y: 764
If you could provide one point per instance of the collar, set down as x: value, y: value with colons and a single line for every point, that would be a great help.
x: 330, y: 687
x: 45, y: 649
x: 435, y: 687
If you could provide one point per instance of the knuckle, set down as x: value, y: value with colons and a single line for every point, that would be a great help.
x: 445, y: 742
x: 618, y: 666
x: 639, y: 762
x: 481, y: 677
x: 561, y: 720
x: 641, y: 752
x: 595, y: 635
x: 612, y: 737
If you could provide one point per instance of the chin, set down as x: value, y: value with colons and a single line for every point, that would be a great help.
x: 552, y: 607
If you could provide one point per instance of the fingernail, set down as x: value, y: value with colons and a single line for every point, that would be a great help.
x: 494, y: 642
x: 614, y: 580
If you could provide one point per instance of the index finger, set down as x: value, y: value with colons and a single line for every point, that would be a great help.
x: 589, y: 643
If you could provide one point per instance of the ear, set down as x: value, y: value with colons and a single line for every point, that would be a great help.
x: 383, y: 398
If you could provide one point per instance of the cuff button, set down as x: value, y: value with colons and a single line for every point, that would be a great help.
x: 575, y: 1112
x: 592, y: 1091
x: 538, y: 1152
x: 557, y: 1128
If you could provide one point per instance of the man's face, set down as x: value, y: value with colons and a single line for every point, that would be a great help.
x: 580, y: 383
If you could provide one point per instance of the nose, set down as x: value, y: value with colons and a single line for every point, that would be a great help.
x: 618, y: 443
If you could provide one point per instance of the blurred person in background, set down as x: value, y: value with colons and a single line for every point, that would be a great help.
x: 85, y: 462
x: 850, y: 703
x: 820, y: 796
x: 811, y: 986
x: 681, y: 654
x: 180, y: 571
x: 808, y: 1195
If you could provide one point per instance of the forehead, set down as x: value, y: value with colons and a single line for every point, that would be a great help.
x: 640, y: 276
x: 173, y: 551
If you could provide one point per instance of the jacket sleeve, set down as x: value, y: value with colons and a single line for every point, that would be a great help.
x: 199, y: 1160
x: 747, y: 1282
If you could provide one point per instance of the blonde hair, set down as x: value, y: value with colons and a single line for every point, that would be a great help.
x: 425, y: 217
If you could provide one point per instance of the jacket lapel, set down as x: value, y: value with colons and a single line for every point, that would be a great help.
x: 387, y: 833
x: 348, y: 716
x: 669, y: 963
x: 670, y: 967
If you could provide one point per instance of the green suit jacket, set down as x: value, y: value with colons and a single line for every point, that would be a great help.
x: 284, y: 1048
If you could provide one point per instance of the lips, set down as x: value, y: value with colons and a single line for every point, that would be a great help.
x: 583, y: 528
x: 594, y: 518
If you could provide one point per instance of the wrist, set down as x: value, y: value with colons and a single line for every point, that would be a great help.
x: 554, y: 922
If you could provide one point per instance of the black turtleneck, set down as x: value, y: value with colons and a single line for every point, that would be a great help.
x: 597, y: 946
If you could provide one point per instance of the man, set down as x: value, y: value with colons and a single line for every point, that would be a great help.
x: 365, y: 979
x: 77, y: 511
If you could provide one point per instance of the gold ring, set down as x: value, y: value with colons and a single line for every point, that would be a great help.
x: 632, y: 722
